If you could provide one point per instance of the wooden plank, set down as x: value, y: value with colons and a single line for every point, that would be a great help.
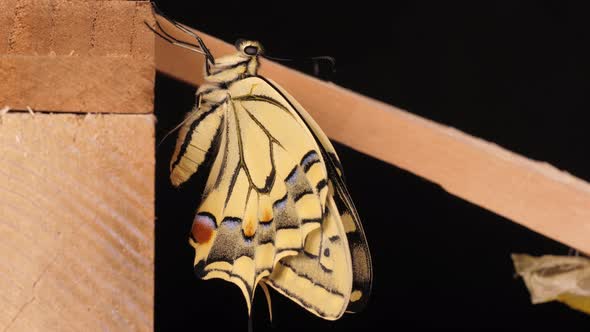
x: 76, y: 222
x: 41, y: 27
x: 77, y: 84
x: 534, y: 194
x: 90, y: 58
x: 6, y: 22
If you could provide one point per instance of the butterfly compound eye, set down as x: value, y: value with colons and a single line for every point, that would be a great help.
x: 251, y: 50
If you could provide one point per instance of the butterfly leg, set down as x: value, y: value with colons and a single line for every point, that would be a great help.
x: 573, y: 252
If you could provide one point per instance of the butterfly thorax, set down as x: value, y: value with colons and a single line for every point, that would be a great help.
x: 230, y: 68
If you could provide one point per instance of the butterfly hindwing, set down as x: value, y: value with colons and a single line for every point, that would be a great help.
x: 320, y: 278
x: 359, y: 249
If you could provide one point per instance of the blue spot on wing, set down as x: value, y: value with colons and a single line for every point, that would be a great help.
x: 292, y: 177
x: 309, y: 158
x: 281, y: 204
x: 231, y: 222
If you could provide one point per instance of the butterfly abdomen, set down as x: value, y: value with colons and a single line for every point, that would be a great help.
x: 197, y: 136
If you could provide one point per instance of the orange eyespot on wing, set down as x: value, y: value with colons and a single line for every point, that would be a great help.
x: 249, y: 228
x: 203, y: 227
x: 266, y: 216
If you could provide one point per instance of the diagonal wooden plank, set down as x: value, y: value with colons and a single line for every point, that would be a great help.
x: 531, y: 193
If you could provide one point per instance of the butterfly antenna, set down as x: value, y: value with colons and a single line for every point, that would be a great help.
x: 327, y: 59
x: 185, y: 29
x: 316, y: 60
x: 164, y: 35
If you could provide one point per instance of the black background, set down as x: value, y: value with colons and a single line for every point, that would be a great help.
x: 514, y: 73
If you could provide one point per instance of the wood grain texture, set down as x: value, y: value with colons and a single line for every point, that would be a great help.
x: 76, y: 222
x: 77, y: 84
x: 44, y: 27
x: 91, y: 58
x: 531, y: 193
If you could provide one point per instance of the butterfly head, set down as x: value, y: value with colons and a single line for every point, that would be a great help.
x: 241, y: 64
x: 249, y: 48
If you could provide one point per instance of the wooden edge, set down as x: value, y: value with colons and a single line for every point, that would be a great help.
x: 77, y: 84
x: 533, y: 194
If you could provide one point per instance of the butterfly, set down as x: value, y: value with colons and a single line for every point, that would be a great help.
x: 275, y: 210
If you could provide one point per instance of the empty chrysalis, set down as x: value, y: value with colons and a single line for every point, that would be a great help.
x: 275, y: 210
x: 556, y: 278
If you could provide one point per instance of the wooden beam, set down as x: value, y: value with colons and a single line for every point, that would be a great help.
x: 534, y: 194
x: 76, y: 56
x: 76, y: 84
x: 76, y: 222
